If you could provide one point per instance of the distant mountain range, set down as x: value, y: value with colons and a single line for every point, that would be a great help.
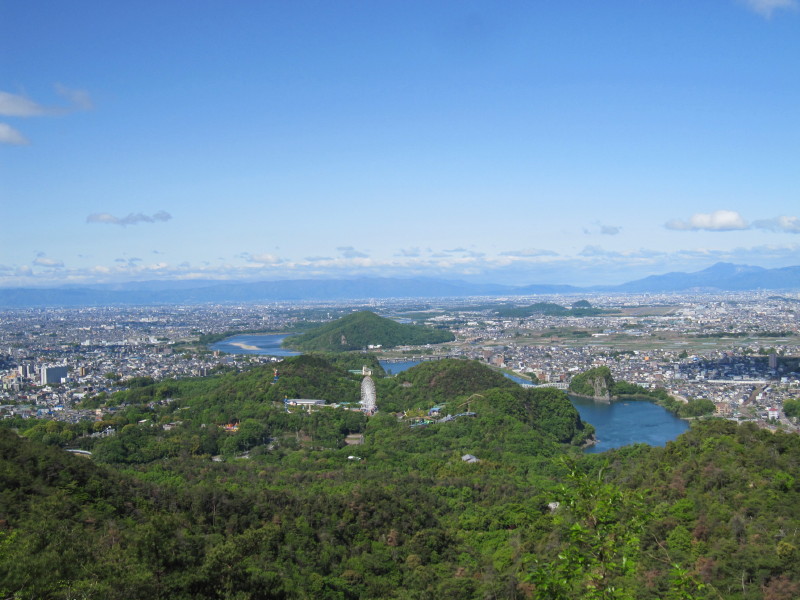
x: 719, y: 277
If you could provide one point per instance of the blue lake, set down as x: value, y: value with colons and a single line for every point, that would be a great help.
x: 253, y: 343
x: 627, y: 422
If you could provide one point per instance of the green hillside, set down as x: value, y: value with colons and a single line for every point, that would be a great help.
x: 291, y: 512
x: 358, y: 330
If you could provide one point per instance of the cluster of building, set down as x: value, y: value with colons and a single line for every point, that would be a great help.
x: 738, y: 350
x: 50, y: 360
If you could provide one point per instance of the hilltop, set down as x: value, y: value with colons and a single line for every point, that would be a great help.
x: 364, y: 328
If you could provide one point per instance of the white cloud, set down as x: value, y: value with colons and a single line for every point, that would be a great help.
x: 765, y: 8
x: 131, y: 219
x: 9, y: 135
x: 720, y: 220
x: 783, y: 224
x: 728, y: 220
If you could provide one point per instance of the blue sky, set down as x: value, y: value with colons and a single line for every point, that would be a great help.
x: 515, y: 142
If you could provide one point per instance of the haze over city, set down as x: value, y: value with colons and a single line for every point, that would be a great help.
x: 571, y: 142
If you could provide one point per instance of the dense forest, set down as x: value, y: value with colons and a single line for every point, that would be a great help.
x: 359, y: 330
x: 214, y: 488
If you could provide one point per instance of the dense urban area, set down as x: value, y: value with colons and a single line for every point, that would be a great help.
x: 738, y: 350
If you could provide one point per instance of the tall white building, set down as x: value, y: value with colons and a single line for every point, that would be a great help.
x: 53, y: 374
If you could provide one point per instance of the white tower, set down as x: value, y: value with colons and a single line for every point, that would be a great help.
x: 368, y: 395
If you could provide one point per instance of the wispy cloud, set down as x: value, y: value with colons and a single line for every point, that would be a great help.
x: 602, y: 229
x: 133, y: 261
x: 263, y: 259
x: 782, y: 224
x: 765, y: 8
x: 43, y: 260
x: 636, y: 254
x: 529, y: 253
x: 9, y: 135
x: 17, y: 105
x: 78, y: 99
x: 610, y: 229
x: 350, y: 252
x: 131, y: 219
x: 466, y: 252
x: 720, y: 220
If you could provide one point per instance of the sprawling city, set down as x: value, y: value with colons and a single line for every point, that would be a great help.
x: 740, y: 350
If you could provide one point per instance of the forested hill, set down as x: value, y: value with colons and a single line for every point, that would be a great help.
x: 364, y: 328
x: 291, y: 512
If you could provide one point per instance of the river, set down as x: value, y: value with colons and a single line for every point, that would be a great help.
x: 254, y: 343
